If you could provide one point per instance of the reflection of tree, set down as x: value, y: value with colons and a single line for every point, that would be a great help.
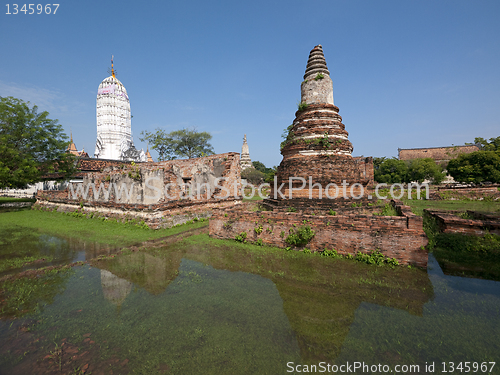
x: 115, y: 289
x: 320, y: 296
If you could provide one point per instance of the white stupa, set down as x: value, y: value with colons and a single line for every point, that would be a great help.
x: 114, y: 125
x: 245, y: 161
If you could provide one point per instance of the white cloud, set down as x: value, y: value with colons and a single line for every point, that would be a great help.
x: 46, y: 100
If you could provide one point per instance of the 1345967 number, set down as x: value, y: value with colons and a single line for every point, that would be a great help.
x: 32, y: 8
x: 468, y: 366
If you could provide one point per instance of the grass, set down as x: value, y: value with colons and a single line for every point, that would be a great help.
x: 464, y: 255
x: 455, y: 205
x: 108, y: 232
x: 22, y: 261
x: 387, y: 210
x: 11, y: 199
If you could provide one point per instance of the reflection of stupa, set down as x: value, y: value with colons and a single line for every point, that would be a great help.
x: 114, y: 124
x: 115, y: 289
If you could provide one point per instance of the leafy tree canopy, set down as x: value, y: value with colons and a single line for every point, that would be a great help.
x: 185, y: 143
x: 425, y: 169
x: 31, y: 145
x: 390, y: 170
x: 484, y: 145
x: 259, y: 166
x: 269, y: 172
x: 479, y: 166
x: 253, y: 176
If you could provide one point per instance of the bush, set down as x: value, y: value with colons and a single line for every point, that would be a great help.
x: 479, y: 166
x: 301, y: 236
x: 242, y: 237
x: 253, y: 176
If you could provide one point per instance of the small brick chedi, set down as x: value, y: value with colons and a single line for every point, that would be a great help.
x: 317, y: 148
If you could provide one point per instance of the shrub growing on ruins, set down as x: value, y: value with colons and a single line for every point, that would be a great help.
x: 319, y: 76
x: 330, y: 253
x: 301, y: 236
x: 258, y: 229
x: 242, y: 237
x: 302, y: 106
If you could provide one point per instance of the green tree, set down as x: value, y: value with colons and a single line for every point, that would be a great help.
x: 390, y: 170
x: 484, y: 145
x: 31, y: 145
x: 268, y: 172
x: 253, y: 176
x: 185, y: 143
x: 259, y: 166
x: 479, y: 166
x: 425, y: 169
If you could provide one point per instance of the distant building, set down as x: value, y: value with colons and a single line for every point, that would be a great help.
x: 245, y: 162
x: 72, y: 150
x: 114, y: 123
x: 440, y: 155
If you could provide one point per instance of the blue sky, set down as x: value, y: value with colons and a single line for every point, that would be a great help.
x: 405, y: 73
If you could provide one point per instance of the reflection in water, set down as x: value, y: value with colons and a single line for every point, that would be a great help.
x: 210, y: 309
x: 19, y: 243
x: 462, y: 322
x: 320, y: 296
x: 115, y: 289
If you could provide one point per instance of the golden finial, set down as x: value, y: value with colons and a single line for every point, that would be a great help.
x: 112, y: 69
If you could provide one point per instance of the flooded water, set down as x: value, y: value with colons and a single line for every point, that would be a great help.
x: 202, y: 307
x: 19, y: 243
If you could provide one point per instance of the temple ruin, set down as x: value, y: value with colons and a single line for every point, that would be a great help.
x: 317, y: 148
x: 317, y: 161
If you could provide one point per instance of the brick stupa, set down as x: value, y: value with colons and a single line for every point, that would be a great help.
x: 317, y: 147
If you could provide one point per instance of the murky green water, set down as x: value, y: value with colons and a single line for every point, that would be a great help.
x: 201, y: 307
x: 17, y: 243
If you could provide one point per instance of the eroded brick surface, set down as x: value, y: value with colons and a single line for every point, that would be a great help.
x: 153, y: 192
x: 399, y: 237
x: 449, y: 222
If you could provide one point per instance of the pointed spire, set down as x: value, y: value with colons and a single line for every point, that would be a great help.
x: 316, y: 63
x: 148, y: 154
x: 112, y: 69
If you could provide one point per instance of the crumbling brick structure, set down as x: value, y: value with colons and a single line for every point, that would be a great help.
x: 152, y: 191
x: 399, y: 237
x: 441, y: 155
x: 317, y: 164
x: 317, y: 148
x: 479, y: 225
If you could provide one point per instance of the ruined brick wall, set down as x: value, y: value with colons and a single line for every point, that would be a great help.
x: 439, y: 154
x: 476, y: 193
x: 448, y: 222
x: 400, y: 237
x: 155, y: 186
x: 324, y: 170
